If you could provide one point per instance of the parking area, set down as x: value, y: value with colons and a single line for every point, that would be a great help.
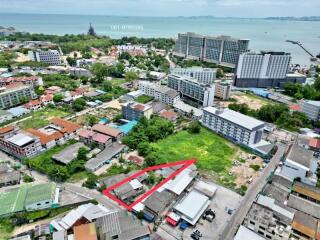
x: 224, y: 201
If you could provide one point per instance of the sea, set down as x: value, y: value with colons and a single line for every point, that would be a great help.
x: 263, y: 34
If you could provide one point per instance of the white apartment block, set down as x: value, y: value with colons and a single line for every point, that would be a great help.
x: 51, y: 57
x: 203, y: 75
x: 160, y: 93
x: 222, y: 90
x: 266, y: 69
x: 311, y: 109
x: 233, y: 125
x: 191, y: 88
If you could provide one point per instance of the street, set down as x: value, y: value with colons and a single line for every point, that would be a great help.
x: 256, y: 187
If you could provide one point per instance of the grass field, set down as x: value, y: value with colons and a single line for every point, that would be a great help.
x: 144, y: 99
x: 117, y: 81
x: 41, y: 118
x: 214, y: 153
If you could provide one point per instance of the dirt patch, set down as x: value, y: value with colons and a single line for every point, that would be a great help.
x: 253, y: 103
x: 243, y: 168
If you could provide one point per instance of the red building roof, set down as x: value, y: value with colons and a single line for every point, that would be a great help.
x: 315, y: 143
x: 67, y: 126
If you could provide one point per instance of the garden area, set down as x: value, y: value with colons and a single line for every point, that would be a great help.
x: 144, y: 99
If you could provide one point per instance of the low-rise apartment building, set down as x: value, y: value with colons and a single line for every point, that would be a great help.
x: 191, y: 88
x: 51, y: 57
x: 233, y: 125
x: 160, y: 93
x: 203, y: 75
x: 32, y: 80
x: 134, y: 111
x: 311, y: 109
x: 13, y: 94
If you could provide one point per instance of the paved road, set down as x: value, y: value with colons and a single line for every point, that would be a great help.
x: 256, y: 187
x: 90, y: 193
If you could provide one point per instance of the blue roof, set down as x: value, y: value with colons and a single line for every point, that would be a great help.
x: 18, y: 111
x: 126, y: 128
x: 259, y: 91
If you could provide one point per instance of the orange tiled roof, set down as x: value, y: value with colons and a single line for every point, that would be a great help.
x: 6, y: 129
x: 104, y: 129
x: 45, y: 138
x: 66, y: 126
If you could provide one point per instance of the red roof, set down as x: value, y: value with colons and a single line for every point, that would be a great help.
x: 136, y: 160
x: 19, y: 79
x: 171, y: 221
x: 32, y: 103
x: 66, y: 126
x: 295, y: 107
x: 46, y: 98
x: 45, y: 138
x: 6, y: 129
x: 315, y: 143
x: 170, y: 115
x: 104, y: 129
x: 98, y: 137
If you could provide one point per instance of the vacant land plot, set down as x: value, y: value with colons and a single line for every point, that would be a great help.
x: 254, y: 102
x: 41, y: 118
x: 214, y: 153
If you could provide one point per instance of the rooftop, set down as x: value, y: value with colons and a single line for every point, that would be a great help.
x: 85, y: 232
x: 235, y: 117
x: 245, y: 233
x: 192, y: 206
x: 40, y: 192
x: 300, y: 155
x: 69, y: 153
x: 305, y: 223
x: 20, y: 139
x: 158, y: 201
x: 104, y: 156
x: 45, y: 138
x: 180, y: 182
x: 66, y: 126
x: 107, y: 130
x: 180, y: 105
x: 314, y: 103
x: 307, y: 190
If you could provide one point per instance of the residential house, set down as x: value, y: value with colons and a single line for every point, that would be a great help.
x: 114, y: 133
x: 90, y: 137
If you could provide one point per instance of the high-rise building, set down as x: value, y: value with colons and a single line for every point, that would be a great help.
x: 51, y: 57
x: 191, y: 88
x: 222, y: 50
x: 265, y: 69
x: 311, y: 109
x: 203, y: 75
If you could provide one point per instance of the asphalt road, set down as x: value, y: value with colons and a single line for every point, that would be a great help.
x: 90, y: 193
x: 238, y: 217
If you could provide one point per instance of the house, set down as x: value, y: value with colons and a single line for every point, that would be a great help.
x: 187, y: 110
x: 300, y: 164
x: 18, y: 111
x: 156, y: 203
x: 7, y: 176
x: 245, y: 233
x: 47, y: 140
x: 89, y: 137
x: 53, y: 90
x: 314, y: 144
x: 180, y: 182
x: 114, y: 133
x: 169, y: 115
x: 46, y: 99
x: 69, y: 129
x: 33, y: 105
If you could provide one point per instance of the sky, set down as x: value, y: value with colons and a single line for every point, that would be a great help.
x: 218, y: 8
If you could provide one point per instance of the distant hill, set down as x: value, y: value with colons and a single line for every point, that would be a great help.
x: 309, y: 18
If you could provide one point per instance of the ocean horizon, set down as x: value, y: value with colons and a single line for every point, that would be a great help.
x: 264, y: 34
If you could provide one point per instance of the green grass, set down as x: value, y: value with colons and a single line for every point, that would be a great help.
x: 262, y: 100
x: 6, y: 228
x: 117, y: 81
x: 41, y: 118
x: 144, y: 99
x: 214, y: 153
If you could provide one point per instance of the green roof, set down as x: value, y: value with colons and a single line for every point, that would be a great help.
x: 40, y: 192
x: 12, y: 201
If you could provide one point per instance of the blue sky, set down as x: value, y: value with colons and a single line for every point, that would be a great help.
x: 219, y: 8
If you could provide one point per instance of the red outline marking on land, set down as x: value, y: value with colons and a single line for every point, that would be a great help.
x: 107, y: 192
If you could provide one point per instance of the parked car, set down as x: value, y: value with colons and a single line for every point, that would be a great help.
x: 183, y: 225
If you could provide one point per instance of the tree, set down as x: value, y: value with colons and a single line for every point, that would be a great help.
x: 91, y: 120
x: 194, y: 127
x: 79, y: 104
x: 91, y: 182
x: 125, y: 55
x: 107, y: 86
x: 130, y: 76
x: 144, y: 148
x: 57, y: 98
x: 71, y: 61
x: 220, y: 73
x: 82, y: 154
x: 140, y: 214
x: 100, y: 71
x: 150, y: 160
